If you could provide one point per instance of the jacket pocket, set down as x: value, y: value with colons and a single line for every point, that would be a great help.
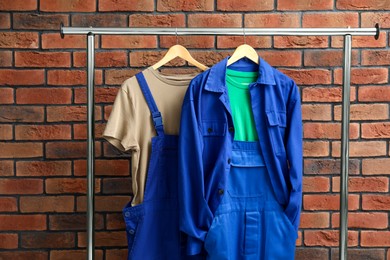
x: 277, y: 121
x: 213, y: 128
x: 133, y: 217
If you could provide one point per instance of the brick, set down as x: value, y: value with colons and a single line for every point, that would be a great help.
x: 361, y: 149
x: 361, y: 41
x: 117, y: 167
x: 376, y: 202
x: 117, y: 186
x: 283, y: 58
x: 6, y: 168
x: 309, y: 76
x: 232, y: 41
x: 312, y: 253
x: 123, y: 5
x: 380, y: 166
x: 21, y: 186
x: 21, y: 77
x: 209, y: 58
x: 80, y: 131
x: 106, y: 239
x: 329, y: 166
x: 376, y: 130
x: 364, y: 112
x: 375, y: 57
x: 188, y: 41
x: 5, y: 58
x: 73, y: 254
x: 17, y: 40
x: 70, y: 113
x: 69, y: 150
x: 8, y: 204
x: 36, y: 255
x: 99, y: 20
x: 43, y: 168
x: 8, y: 241
x: 330, y: 19
x: 328, y: 202
x: 369, y: 19
x: 363, y: 76
x: 157, y: 20
x: 21, y: 114
x: 148, y: 58
x: 177, y: 5
x: 250, y: 5
x: 6, y: 132
x: 73, y: 222
x: 102, y: 59
x: 375, y: 238
x: 360, y: 254
x: 282, y: 42
x: 328, y: 131
x: 54, y: 41
x: 215, y: 20
x: 307, y: 5
x: 46, y: 204
x: 116, y: 254
x: 316, y: 112
x: 117, y: 77
x: 272, y: 20
x: 43, y: 95
x: 327, y: 58
x: 328, y: 238
x: 374, y: 93
x: 371, y: 220
x: 42, y: 59
x: 47, y: 240
x: 5, y: 21
x: 115, y: 221
x: 37, y: 21
x: 363, y: 184
x: 42, y: 132
x: 109, y: 203
x: 363, y: 4
x: 314, y: 220
x: 129, y: 41
x: 316, y: 184
x: 71, y: 77
x: 68, y: 6
x: 18, y: 5
x: 68, y: 185
x: 325, y: 94
x: 21, y: 150
x: 22, y: 222
x: 7, y: 95
x: 315, y: 149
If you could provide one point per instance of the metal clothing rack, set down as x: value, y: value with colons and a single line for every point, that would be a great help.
x: 346, y: 32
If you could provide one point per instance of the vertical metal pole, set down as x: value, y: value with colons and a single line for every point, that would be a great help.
x: 90, y: 147
x: 345, y: 149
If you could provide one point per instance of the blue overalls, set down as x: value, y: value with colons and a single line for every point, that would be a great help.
x: 153, y: 226
x: 249, y: 222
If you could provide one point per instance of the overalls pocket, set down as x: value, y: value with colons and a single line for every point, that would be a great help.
x: 277, y: 128
x: 133, y: 217
x: 251, y: 242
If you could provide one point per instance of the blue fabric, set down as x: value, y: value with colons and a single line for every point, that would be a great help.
x: 153, y: 227
x: 249, y: 222
x: 206, y: 137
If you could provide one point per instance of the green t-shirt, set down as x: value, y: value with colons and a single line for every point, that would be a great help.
x: 240, y: 103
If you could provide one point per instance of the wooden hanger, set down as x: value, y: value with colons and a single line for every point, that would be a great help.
x: 242, y: 51
x: 181, y: 52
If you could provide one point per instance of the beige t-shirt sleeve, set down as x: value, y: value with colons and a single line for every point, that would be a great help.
x: 120, y: 130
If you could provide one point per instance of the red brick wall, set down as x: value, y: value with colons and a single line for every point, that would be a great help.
x: 43, y: 115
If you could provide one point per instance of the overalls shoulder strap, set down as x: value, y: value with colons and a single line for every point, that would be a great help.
x: 156, y: 115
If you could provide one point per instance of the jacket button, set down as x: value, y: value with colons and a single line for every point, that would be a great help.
x: 221, y: 191
x: 231, y: 129
x: 131, y: 231
x: 209, y: 130
x: 229, y: 161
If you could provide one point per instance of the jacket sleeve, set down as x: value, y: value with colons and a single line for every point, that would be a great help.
x: 294, y: 155
x: 195, y: 214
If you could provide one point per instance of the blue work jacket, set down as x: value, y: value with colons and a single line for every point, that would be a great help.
x: 207, y: 133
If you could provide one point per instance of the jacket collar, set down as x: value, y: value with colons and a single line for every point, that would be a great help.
x: 216, y: 80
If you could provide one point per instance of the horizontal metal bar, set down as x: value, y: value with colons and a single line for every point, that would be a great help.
x: 223, y: 31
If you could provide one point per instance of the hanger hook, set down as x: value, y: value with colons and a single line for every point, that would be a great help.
x: 243, y: 29
x: 177, y: 39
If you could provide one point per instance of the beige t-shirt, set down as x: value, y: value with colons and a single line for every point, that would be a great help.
x: 130, y: 126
